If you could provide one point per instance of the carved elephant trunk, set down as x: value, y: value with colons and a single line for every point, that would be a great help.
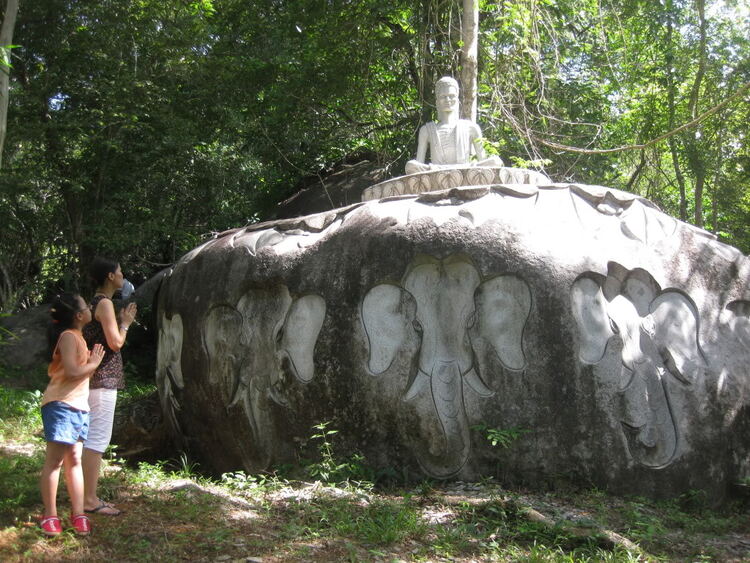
x: 447, y: 392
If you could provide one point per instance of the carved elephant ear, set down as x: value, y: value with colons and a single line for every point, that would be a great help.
x: 590, y: 313
x: 503, y: 305
x: 222, y: 337
x: 169, y: 351
x: 676, y: 325
x: 385, y: 315
x: 301, y: 329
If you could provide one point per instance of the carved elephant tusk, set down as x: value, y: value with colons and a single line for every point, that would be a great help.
x: 169, y: 366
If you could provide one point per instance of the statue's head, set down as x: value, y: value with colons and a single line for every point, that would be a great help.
x: 445, y: 83
x: 446, y: 94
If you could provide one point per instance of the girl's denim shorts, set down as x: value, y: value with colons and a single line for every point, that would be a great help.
x: 63, y: 423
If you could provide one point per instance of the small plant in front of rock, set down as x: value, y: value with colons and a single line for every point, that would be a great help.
x: 326, y: 467
x: 239, y: 481
x: 110, y: 454
x: 502, y: 437
x: 187, y: 469
x: 330, y: 469
x: 149, y: 473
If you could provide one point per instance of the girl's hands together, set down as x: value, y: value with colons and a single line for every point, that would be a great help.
x: 96, y: 355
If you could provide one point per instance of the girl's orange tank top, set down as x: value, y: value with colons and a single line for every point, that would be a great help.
x: 71, y: 391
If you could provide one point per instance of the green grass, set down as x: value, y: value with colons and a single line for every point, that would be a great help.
x: 172, y: 512
x: 19, y: 482
x: 375, y: 523
x: 134, y: 390
x: 19, y: 414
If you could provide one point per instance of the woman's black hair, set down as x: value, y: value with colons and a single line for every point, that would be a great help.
x: 100, y: 269
x: 63, y: 311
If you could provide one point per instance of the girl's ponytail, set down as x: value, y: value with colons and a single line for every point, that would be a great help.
x: 64, y: 308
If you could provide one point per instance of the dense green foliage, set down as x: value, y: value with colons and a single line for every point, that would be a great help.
x: 138, y: 127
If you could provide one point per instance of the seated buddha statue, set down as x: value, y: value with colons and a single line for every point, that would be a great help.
x: 449, y: 140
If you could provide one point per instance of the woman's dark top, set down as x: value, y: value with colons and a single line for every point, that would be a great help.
x: 109, y: 374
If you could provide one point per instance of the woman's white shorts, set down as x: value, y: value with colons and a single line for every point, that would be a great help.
x: 101, y: 417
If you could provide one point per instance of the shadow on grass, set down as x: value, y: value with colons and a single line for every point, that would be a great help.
x: 168, y: 518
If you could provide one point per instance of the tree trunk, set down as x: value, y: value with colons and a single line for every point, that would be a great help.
x: 717, y: 180
x: 6, y: 40
x: 695, y: 158
x: 469, y: 36
x: 672, y: 142
x: 700, y: 182
x: 425, y: 61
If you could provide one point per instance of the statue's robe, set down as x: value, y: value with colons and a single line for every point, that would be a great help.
x: 461, y: 140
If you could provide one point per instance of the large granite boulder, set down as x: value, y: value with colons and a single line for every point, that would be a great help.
x: 23, y: 338
x: 612, y: 340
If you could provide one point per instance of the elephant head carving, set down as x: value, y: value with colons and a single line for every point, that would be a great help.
x: 169, y: 365
x: 247, y: 343
x: 659, y: 334
x: 450, y: 308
